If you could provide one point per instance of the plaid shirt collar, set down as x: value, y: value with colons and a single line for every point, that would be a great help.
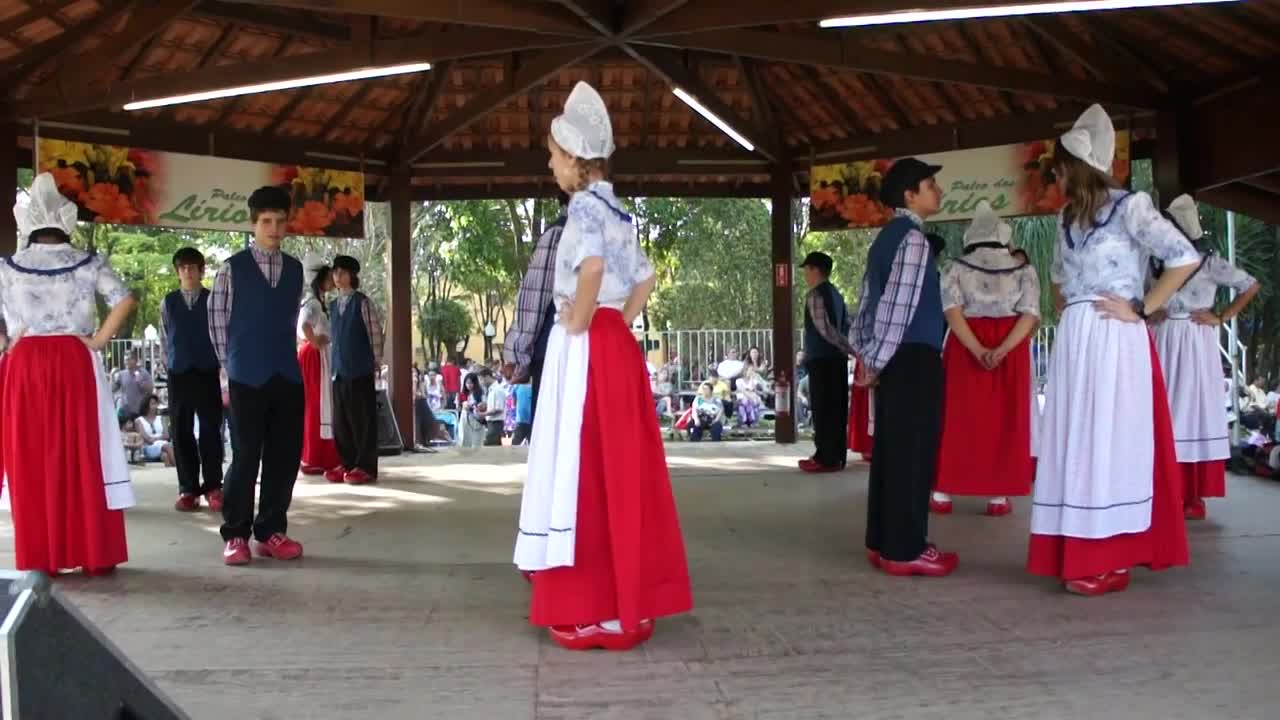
x: 903, y: 212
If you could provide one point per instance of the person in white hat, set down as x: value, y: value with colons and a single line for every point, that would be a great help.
x: 1186, y: 336
x: 599, y: 535
x: 67, y: 489
x: 1107, y: 495
x: 991, y: 300
x: 319, y: 451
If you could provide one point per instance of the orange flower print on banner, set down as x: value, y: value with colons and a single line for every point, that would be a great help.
x: 312, y: 219
x: 69, y: 181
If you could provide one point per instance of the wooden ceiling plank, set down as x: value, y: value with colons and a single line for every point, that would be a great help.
x: 285, y: 114
x: 28, y: 60
x: 1103, y: 63
x: 501, y: 14
x: 401, y: 111
x: 984, y: 53
x: 219, y: 46
x: 765, y: 116
x: 234, y: 103
x: 418, y: 118
x: 272, y: 20
x: 834, y: 51
x: 344, y: 111
x: 640, y: 14
x: 675, y: 74
x: 37, y: 11
x: 597, y: 14
x: 1270, y: 183
x: 883, y: 94
x: 534, y: 71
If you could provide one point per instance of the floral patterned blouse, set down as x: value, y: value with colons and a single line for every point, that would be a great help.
x: 1111, y: 257
x: 991, y: 283
x: 49, y: 289
x: 1200, y: 291
x: 313, y: 313
x: 597, y: 226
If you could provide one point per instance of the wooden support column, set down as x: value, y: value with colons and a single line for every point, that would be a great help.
x: 400, y: 310
x: 8, y: 185
x: 1166, y: 167
x: 783, y: 266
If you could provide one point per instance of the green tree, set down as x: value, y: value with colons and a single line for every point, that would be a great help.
x: 446, y: 321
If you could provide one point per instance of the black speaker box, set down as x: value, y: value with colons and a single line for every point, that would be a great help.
x: 389, y: 440
x: 56, y: 665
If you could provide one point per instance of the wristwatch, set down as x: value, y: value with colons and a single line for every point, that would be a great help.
x: 1139, y: 307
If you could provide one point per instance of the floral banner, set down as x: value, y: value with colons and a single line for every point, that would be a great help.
x: 135, y: 186
x: 1015, y: 179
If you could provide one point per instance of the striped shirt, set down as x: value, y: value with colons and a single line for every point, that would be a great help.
x: 271, y: 263
x: 877, y: 338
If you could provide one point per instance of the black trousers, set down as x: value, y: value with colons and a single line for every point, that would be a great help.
x: 521, y: 434
x: 355, y: 423
x: 493, y: 433
x: 266, y: 424
x: 908, y: 422
x: 195, y: 394
x: 829, y: 404
x: 539, y: 355
x: 424, y: 422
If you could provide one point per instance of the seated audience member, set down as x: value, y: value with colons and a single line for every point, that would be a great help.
x: 151, y: 425
x: 708, y: 415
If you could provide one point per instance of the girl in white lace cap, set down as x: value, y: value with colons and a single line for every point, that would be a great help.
x: 1107, y: 493
x: 67, y: 488
x: 1187, y: 343
x: 599, y: 535
x: 992, y: 303
x: 319, y: 450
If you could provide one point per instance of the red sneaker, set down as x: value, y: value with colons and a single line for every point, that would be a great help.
x: 236, y: 552
x: 358, y: 477
x: 1089, y: 586
x: 1117, y: 580
x: 214, y: 499
x: 995, y: 509
x: 873, y: 557
x: 590, y: 637
x: 1194, y: 509
x: 816, y: 468
x: 807, y: 463
x: 931, y: 563
x: 280, y: 547
x: 187, y: 503
x: 311, y: 470
x: 940, y: 507
x: 99, y: 572
x: 335, y: 475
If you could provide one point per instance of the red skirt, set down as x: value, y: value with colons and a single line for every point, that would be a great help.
x: 986, y: 424
x: 316, y: 451
x: 860, y: 439
x: 52, y: 460
x: 1161, y: 546
x: 1204, y: 479
x: 629, y: 559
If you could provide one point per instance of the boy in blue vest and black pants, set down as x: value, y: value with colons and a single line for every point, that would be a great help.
x: 195, y: 390
x: 355, y: 359
x: 827, y: 351
x: 898, y: 335
x: 253, y: 316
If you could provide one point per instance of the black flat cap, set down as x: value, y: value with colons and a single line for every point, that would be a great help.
x: 270, y: 197
x: 348, y: 263
x: 819, y: 260
x: 905, y: 174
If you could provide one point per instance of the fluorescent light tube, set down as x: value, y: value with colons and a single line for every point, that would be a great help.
x: 359, y: 74
x: 988, y: 11
x: 714, y: 119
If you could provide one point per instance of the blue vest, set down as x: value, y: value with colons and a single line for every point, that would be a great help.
x: 352, y: 355
x: 262, y: 339
x: 816, y: 346
x: 187, y: 343
x: 928, y: 325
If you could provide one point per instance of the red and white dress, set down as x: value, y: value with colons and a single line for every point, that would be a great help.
x: 1192, y: 365
x: 1108, y: 495
x: 65, y: 474
x: 598, y: 522
x: 862, y: 417
x: 986, y: 427
x: 319, y: 450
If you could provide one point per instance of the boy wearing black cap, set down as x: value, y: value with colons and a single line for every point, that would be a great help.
x: 826, y: 329
x: 355, y: 359
x: 898, y: 336
x: 195, y: 390
x: 253, y: 313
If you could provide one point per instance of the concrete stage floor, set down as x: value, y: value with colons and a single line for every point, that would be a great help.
x: 406, y: 606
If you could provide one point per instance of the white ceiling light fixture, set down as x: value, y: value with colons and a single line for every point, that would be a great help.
x: 347, y: 76
x: 989, y: 11
x: 714, y: 119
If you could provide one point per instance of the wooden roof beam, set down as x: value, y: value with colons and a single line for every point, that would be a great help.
x: 599, y: 15
x: 1106, y: 63
x: 763, y: 111
x: 502, y: 14
x: 225, y: 38
x: 344, y: 111
x: 36, y: 12
x: 1244, y: 199
x: 1270, y: 183
x: 833, y: 50
x: 624, y: 188
x: 1227, y: 147
x: 640, y: 14
x: 533, y: 72
x: 36, y: 55
x: 430, y: 47
x: 418, y: 117
x: 676, y: 75
x: 272, y: 20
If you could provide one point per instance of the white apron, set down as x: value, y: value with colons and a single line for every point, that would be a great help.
x: 549, y: 507
x: 1097, y: 448
x: 326, y: 393
x: 1189, y: 356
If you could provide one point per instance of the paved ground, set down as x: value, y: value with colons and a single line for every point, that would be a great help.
x: 406, y: 606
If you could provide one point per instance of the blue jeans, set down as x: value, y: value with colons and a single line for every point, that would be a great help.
x: 695, y: 432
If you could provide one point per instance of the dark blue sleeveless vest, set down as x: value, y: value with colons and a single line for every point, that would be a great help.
x: 261, y: 341
x: 187, y: 343
x: 816, y: 346
x: 352, y: 355
x: 928, y: 326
